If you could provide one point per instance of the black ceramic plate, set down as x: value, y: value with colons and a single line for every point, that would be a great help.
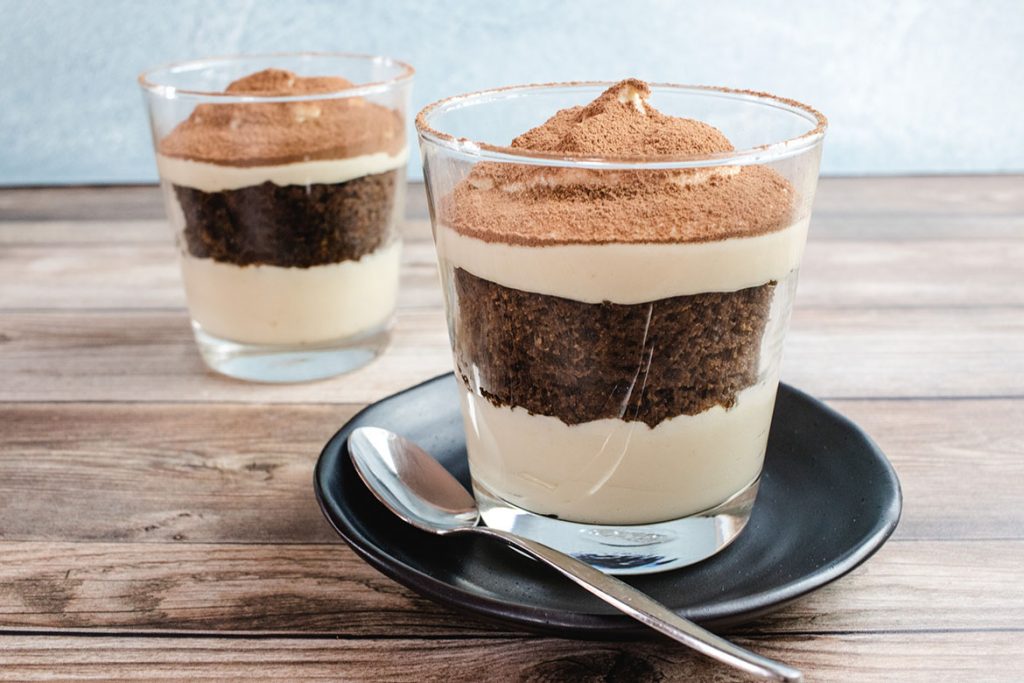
x: 828, y: 500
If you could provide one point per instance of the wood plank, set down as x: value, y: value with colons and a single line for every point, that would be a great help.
x: 160, y: 587
x: 164, y: 472
x: 242, y: 473
x: 117, y: 203
x: 836, y: 274
x: 960, y: 463
x: 934, y: 273
x: 931, y: 657
x: 82, y: 233
x: 152, y: 357
x: 326, y: 589
x: 826, y: 224
x: 123, y: 202
x: 140, y: 276
x: 844, y: 353
x: 889, y: 353
x: 974, y: 195
x: 119, y: 232
x: 922, y: 207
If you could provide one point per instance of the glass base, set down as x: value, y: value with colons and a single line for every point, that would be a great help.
x: 627, y: 549
x: 292, y: 363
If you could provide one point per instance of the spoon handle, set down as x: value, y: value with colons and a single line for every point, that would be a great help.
x: 648, y: 611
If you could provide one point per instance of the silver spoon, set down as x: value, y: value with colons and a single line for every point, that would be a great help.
x: 414, y: 486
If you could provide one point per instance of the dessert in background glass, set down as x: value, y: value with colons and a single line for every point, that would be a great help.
x: 283, y: 176
x: 619, y: 263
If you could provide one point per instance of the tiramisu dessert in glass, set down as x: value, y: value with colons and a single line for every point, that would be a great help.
x: 619, y: 262
x: 283, y: 177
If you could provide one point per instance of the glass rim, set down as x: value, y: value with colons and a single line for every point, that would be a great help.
x: 760, y: 154
x: 147, y: 82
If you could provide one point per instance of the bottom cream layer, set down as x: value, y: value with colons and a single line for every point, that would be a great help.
x: 284, y: 306
x: 615, y: 472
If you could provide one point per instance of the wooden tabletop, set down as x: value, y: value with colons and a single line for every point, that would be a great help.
x: 158, y: 521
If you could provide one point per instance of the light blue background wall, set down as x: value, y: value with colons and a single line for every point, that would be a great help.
x: 913, y: 86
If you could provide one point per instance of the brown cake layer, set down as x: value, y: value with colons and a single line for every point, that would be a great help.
x: 293, y: 225
x: 580, y: 362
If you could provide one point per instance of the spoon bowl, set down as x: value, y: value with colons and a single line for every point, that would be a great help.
x: 410, y: 483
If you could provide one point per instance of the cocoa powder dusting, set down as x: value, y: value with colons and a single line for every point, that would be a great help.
x: 547, y: 205
x: 270, y: 133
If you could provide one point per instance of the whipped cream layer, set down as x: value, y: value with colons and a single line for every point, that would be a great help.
x: 629, y: 273
x: 208, y: 177
x: 615, y: 472
x: 283, y: 306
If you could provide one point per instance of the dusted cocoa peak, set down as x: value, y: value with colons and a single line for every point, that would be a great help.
x: 621, y: 123
x: 277, y: 82
x: 273, y: 133
x: 537, y: 205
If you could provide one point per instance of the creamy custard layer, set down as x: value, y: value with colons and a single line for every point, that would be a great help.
x: 274, y: 305
x: 629, y: 273
x: 615, y: 472
x: 217, y: 178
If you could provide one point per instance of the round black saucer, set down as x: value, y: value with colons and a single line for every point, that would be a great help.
x: 828, y: 500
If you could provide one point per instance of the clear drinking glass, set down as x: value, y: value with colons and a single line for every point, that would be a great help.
x: 617, y: 396
x: 283, y: 192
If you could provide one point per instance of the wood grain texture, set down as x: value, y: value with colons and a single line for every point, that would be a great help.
x: 135, y: 231
x: 900, y: 208
x: 157, y: 521
x: 242, y: 473
x: 327, y: 590
x: 146, y: 276
x: 81, y: 203
x: 106, y: 205
x: 920, y: 208
x: 836, y: 274
x: 867, y: 657
x: 832, y: 353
